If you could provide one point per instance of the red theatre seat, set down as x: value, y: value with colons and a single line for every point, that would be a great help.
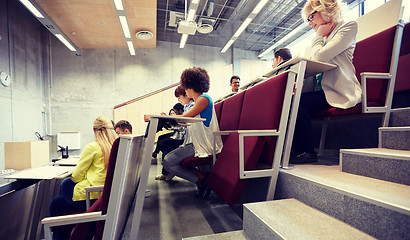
x: 81, y: 231
x: 261, y: 110
x: 373, y: 54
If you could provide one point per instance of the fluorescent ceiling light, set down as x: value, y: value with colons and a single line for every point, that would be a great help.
x: 125, y: 28
x: 245, y: 23
x: 131, y: 48
x: 64, y: 40
x: 191, y: 15
x: 32, y: 9
x: 228, y: 45
x: 184, y: 38
x: 259, y: 7
x: 195, y: 1
x: 118, y: 5
x: 284, y: 39
x: 242, y: 27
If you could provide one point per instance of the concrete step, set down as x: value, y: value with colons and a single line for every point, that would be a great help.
x: 400, y: 117
x: 394, y: 138
x: 378, y: 208
x: 291, y: 219
x: 381, y: 163
x: 234, y: 235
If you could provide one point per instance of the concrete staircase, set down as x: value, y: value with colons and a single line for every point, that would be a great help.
x: 366, y: 196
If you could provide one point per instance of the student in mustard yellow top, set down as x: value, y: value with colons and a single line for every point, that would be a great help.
x: 90, y: 171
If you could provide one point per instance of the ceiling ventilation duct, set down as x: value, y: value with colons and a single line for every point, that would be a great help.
x: 144, y: 35
x: 210, y: 10
x: 205, y: 25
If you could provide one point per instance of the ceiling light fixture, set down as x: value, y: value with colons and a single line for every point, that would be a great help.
x: 124, y: 25
x: 284, y: 39
x: 245, y: 24
x: 118, y: 5
x: 131, y: 47
x: 242, y: 27
x: 188, y: 26
x: 50, y: 25
x: 184, y: 38
x: 122, y: 16
x: 65, y: 42
x: 228, y: 45
x: 32, y: 8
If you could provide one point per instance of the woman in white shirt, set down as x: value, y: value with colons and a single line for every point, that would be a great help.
x: 334, y: 43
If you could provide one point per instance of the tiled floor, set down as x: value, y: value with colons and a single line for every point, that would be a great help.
x: 172, y: 212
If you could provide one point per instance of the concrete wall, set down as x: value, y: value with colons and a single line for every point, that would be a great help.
x: 85, y: 87
x: 23, y: 55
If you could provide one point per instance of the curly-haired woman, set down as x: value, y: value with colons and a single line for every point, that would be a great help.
x: 199, y: 138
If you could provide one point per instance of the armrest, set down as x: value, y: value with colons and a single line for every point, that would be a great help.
x: 272, y: 132
x: 94, y: 188
x: 89, y: 190
x: 71, y: 219
x: 376, y: 75
x: 373, y: 75
x: 67, y: 220
x: 224, y: 132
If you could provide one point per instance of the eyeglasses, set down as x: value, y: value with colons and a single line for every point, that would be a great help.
x: 311, y: 16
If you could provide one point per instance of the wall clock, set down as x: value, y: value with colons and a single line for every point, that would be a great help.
x: 5, y: 79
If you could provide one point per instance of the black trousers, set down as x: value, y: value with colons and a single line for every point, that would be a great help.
x: 310, y: 102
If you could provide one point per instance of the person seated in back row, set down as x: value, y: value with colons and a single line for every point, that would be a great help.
x: 164, y: 142
x: 179, y: 135
x: 199, y: 138
x: 91, y: 170
x: 235, y: 83
x: 123, y: 127
x: 281, y: 56
x: 334, y: 43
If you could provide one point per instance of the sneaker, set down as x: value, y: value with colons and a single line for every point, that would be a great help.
x: 160, y: 177
x: 169, y: 177
x: 304, y: 158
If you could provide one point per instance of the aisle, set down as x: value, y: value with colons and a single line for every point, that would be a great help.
x: 172, y: 212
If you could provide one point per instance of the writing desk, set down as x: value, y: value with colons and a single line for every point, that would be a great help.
x: 71, y: 161
x: 47, y: 177
x: 44, y: 172
x: 304, y: 68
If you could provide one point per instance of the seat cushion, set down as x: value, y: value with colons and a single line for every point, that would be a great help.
x: 334, y: 112
x: 195, y: 161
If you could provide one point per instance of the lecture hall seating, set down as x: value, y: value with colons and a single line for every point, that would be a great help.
x: 249, y: 110
x: 376, y: 60
x: 109, y: 214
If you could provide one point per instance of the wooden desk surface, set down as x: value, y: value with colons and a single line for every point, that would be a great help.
x: 71, y: 161
x: 44, y: 172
